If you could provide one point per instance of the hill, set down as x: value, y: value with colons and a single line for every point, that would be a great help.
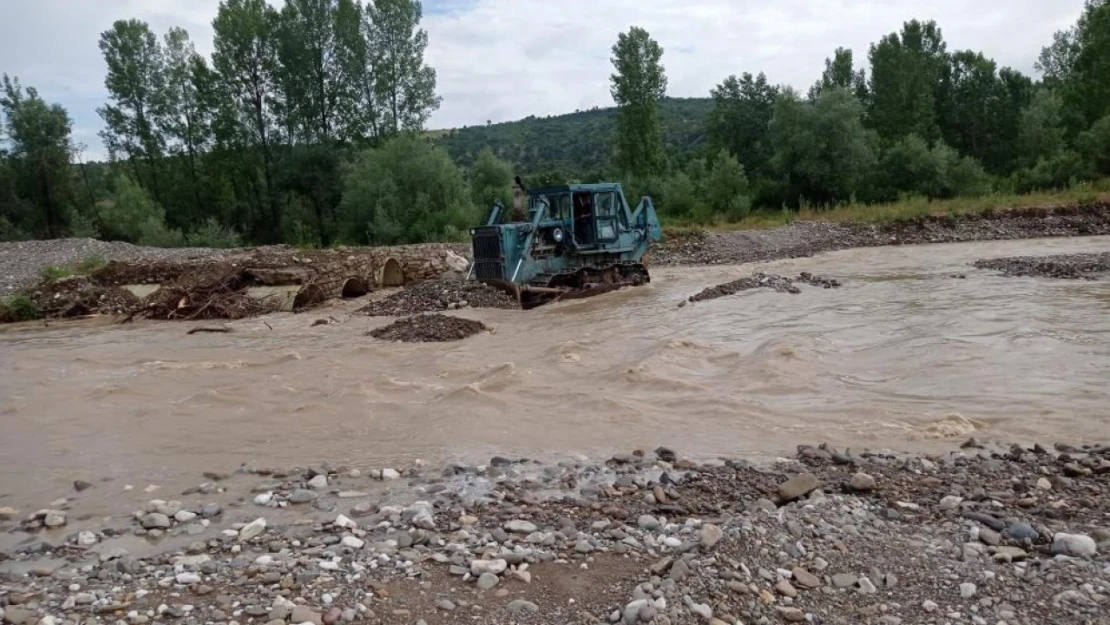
x: 574, y: 142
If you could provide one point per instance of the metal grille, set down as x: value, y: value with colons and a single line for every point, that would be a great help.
x: 488, y: 261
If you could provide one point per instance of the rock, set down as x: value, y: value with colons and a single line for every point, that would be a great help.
x: 709, y: 536
x: 81, y: 486
x: 187, y: 578
x: 866, y: 587
x: 155, y: 520
x: 498, y: 566
x: 353, y: 542
x: 862, y: 482
x: 54, y: 518
x: 304, y: 614
x: 666, y: 455
x: 520, y: 605
x: 518, y: 526
x: 701, y: 609
x: 184, y: 516
x: 390, y: 474
x: 333, y: 614
x: 929, y: 606
x: 792, y: 615
x: 1009, y: 554
x: 319, y: 482
x: 86, y: 539
x: 1044, y: 484
x: 987, y: 536
x: 951, y: 502
x: 252, y: 529
x: 786, y: 589
x: 648, y: 522
x: 445, y: 604
x: 797, y: 486
x: 583, y: 546
x: 805, y: 578
x: 487, y: 581
x: 1020, y: 531
x: 7, y: 512
x: 967, y: 590
x: 264, y: 498
x: 1077, y: 545
x: 302, y: 495
x: 844, y: 580
x: 679, y: 570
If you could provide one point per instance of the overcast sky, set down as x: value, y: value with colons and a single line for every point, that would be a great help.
x: 501, y: 60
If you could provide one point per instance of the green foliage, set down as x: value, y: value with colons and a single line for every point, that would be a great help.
x: 839, y: 72
x: 18, y: 308
x: 727, y: 187
x: 637, y: 85
x: 87, y: 266
x: 1041, y: 134
x: 1094, y: 145
x: 1055, y: 171
x: 823, y: 154
x: 905, y: 68
x: 491, y: 180
x: 131, y: 210
x: 740, y: 120
x: 214, y: 234
x: 10, y: 232
x: 407, y: 191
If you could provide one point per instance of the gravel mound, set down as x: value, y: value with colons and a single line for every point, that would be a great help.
x: 429, y: 328
x: 437, y: 295
x: 1014, y: 535
x: 22, y: 262
x: 1063, y: 266
x: 762, y: 280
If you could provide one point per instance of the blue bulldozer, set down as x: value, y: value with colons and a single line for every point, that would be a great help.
x: 564, y: 242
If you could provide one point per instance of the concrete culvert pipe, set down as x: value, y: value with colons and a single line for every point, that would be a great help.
x: 308, y: 296
x: 392, y: 274
x: 355, y: 287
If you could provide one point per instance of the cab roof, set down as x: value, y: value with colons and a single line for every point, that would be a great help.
x: 600, y: 187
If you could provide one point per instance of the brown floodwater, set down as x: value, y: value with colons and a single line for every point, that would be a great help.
x: 901, y: 357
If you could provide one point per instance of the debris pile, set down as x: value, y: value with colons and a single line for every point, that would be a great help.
x: 429, y: 328
x: 439, y: 295
x: 1062, y: 266
x: 762, y: 280
x: 76, y: 296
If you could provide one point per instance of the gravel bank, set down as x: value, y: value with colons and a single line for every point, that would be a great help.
x: 1016, y: 536
x: 438, y: 295
x: 803, y: 239
x: 1063, y: 266
x: 22, y: 262
x: 762, y: 280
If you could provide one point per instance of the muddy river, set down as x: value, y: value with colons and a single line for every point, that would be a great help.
x: 902, y: 356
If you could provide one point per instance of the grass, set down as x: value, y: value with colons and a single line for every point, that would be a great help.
x: 902, y: 210
x: 90, y: 264
x: 18, y: 308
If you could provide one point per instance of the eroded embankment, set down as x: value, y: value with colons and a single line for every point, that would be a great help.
x: 1014, y: 536
x: 802, y: 239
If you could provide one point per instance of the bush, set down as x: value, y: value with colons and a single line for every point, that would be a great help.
x: 214, y: 234
x: 18, y: 308
x: 727, y: 188
x: 1059, y: 171
x: 132, y: 216
x: 9, y: 231
x: 1094, y: 145
x: 84, y: 268
x: 83, y: 226
x: 154, y: 233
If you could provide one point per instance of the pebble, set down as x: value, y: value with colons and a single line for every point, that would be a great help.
x: 1078, y: 545
x: 487, y: 581
x: 390, y: 474
x: 648, y: 522
x: 805, y: 578
x: 967, y: 590
x: 302, y: 495
x: 518, y: 526
x: 520, y: 605
x: 496, y: 567
x: 155, y: 520
x: 252, y: 529
x: 353, y: 542
x: 844, y: 580
x: 188, y: 578
x: 797, y: 486
x: 862, y: 482
x: 709, y: 536
x: 792, y: 615
x: 319, y: 482
x: 445, y: 604
x: 866, y: 587
x: 786, y: 589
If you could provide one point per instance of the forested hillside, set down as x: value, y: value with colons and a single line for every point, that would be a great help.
x: 308, y: 125
x: 574, y: 143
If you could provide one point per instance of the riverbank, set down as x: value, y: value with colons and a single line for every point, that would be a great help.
x: 1014, y: 535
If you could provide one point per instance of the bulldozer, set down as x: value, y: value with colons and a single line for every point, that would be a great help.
x: 564, y: 242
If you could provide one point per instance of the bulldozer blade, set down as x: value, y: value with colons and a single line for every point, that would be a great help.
x: 589, y: 291
x: 511, y: 289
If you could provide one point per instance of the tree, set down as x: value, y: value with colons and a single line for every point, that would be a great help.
x: 491, y: 179
x: 135, y: 82
x: 637, y: 86
x: 742, y: 110
x: 406, y: 191
x: 1094, y: 144
x: 315, y: 82
x: 403, y: 82
x: 839, y: 72
x: 244, y: 41
x: 1041, y: 134
x: 905, y: 70
x: 1087, y: 89
x: 823, y: 152
x: 727, y: 187
x: 39, y: 136
x: 184, y: 112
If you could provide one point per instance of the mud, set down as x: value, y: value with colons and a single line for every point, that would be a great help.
x: 439, y: 295
x: 429, y: 328
x: 762, y: 280
x: 1063, y: 266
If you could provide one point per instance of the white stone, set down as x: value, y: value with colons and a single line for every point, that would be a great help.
x: 188, y: 578
x: 320, y: 482
x: 345, y: 522
x: 498, y: 566
x: 353, y: 542
x: 264, y: 499
x: 184, y: 516
x: 518, y: 526
x: 390, y: 474
x: 86, y: 539
x: 252, y: 529
x: 967, y: 590
x: 1078, y: 545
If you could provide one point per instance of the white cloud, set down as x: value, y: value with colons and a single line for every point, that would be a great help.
x: 505, y: 59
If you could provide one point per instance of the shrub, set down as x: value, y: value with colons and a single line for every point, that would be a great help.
x: 214, y: 234
x: 18, y: 308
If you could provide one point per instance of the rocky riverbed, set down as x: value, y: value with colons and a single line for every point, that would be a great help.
x: 429, y: 328
x: 1062, y: 266
x: 760, y: 280
x: 1013, y: 535
x: 439, y: 295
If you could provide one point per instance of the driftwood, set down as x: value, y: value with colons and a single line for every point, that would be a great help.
x: 209, y: 330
